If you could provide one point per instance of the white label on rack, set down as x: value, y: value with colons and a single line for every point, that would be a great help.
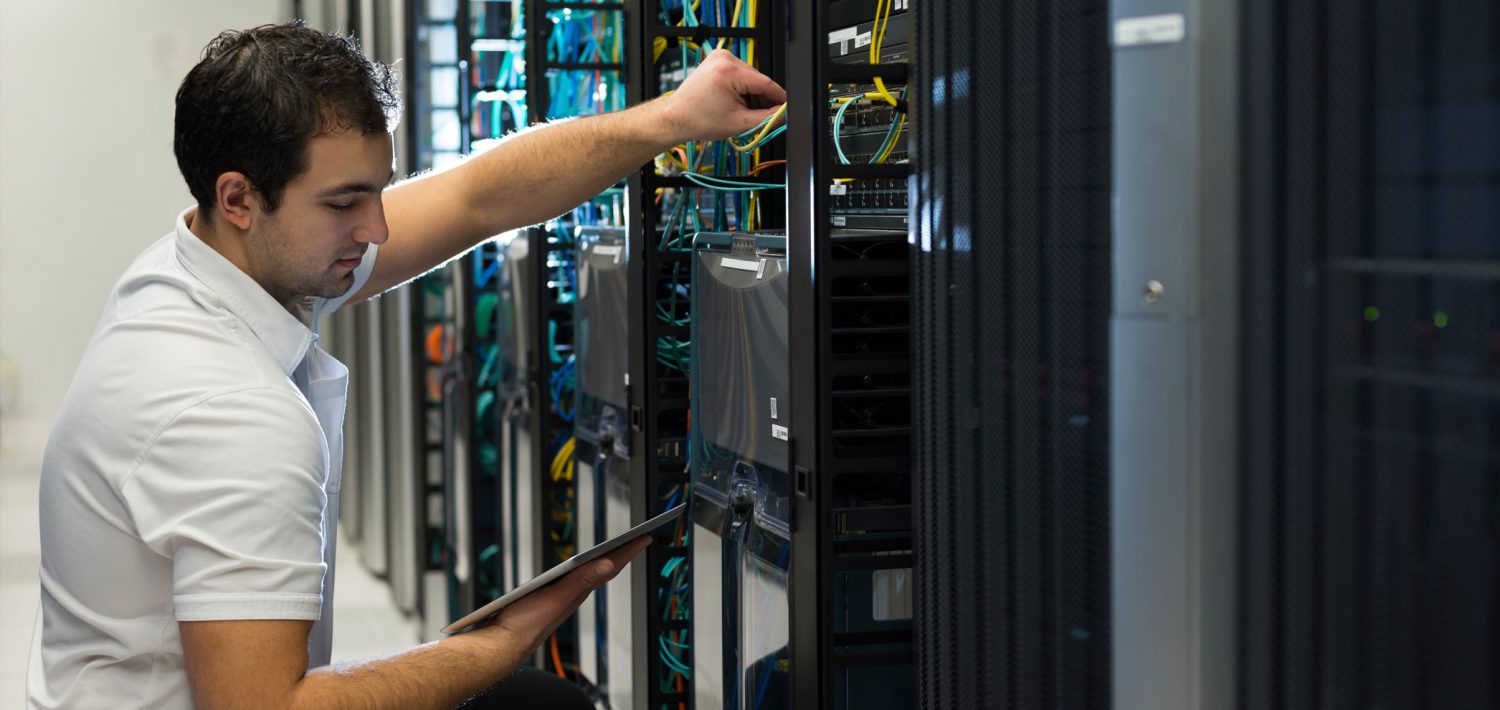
x: 838, y: 220
x: 1152, y: 29
x: 862, y: 40
x: 843, y: 35
x: 844, y: 48
x: 608, y: 250
x: 760, y: 271
x: 740, y: 264
x: 838, y: 188
x: 780, y: 432
x: 773, y: 407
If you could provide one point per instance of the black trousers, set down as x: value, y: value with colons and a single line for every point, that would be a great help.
x: 530, y: 688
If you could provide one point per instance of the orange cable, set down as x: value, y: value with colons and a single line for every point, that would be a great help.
x: 762, y: 166
x: 435, y: 344
x: 557, y: 658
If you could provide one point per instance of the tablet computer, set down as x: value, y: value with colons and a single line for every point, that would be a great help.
x: 572, y: 563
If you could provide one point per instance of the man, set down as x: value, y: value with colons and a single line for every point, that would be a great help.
x: 190, y: 485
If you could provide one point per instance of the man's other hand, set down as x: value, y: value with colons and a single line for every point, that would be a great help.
x: 722, y: 97
x: 535, y: 616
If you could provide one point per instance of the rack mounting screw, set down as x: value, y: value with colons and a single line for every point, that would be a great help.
x: 1154, y: 290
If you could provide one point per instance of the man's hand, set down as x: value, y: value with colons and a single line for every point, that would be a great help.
x: 535, y: 616
x: 722, y: 97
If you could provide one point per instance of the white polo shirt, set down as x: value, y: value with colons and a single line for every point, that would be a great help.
x: 192, y: 474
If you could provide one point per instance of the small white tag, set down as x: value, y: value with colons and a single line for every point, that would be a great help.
x: 862, y: 40
x: 1152, y: 29
x: 773, y: 407
x: 838, y: 220
x: 842, y: 35
x: 844, y: 48
x: 838, y: 188
x: 780, y: 432
x: 740, y: 264
x: 760, y: 271
x: 607, y: 250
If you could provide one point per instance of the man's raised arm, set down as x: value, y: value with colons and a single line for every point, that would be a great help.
x: 539, y: 173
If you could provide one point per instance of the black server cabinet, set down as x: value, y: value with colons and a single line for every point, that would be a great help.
x: 849, y: 354
x: 1011, y: 301
x: 664, y: 35
x: 1370, y: 500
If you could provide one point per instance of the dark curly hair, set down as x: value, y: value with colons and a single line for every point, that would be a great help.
x: 257, y: 97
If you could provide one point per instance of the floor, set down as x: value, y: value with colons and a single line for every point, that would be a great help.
x: 368, y: 623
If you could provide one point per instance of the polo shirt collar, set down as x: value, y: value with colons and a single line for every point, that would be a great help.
x: 284, y: 336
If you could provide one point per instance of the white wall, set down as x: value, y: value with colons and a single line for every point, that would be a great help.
x: 87, y: 177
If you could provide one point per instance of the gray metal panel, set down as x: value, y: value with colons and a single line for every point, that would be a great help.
x: 405, y: 491
x: 1174, y: 403
x: 349, y: 328
x: 1156, y: 141
x: 1154, y: 644
x: 373, y: 433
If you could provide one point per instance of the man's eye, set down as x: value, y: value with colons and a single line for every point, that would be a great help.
x: 336, y: 207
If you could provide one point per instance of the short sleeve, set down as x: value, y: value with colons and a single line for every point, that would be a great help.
x: 326, y: 306
x: 232, y: 491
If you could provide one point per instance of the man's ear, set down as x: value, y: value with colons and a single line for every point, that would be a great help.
x: 236, y: 199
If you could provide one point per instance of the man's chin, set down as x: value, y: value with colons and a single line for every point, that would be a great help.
x: 337, y: 286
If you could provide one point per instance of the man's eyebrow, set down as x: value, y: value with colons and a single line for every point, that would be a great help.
x: 355, y: 188
x: 348, y: 189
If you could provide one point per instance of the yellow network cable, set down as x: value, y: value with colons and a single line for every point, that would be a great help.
x: 750, y: 46
x: 886, y: 154
x: 562, y: 463
x: 734, y: 18
x: 882, y: 18
x: 761, y: 136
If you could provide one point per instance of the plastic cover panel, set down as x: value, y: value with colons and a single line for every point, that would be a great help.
x: 1011, y: 308
x: 601, y: 334
x: 1371, y: 505
x: 740, y: 366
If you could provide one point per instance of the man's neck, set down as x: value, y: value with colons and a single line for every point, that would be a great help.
x: 221, y: 238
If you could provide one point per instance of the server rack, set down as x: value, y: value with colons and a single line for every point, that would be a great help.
x: 1012, y: 299
x: 487, y: 34
x: 602, y: 451
x: 1370, y: 492
x: 518, y: 484
x: 562, y: 80
x: 664, y: 651
x: 849, y: 363
x: 434, y: 123
x: 740, y: 462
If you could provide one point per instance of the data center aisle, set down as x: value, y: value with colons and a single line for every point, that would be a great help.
x: 21, y: 444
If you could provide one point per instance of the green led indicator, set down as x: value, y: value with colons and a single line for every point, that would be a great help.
x: 1440, y: 319
x: 1372, y: 314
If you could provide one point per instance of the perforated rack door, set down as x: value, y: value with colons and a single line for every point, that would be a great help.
x: 1011, y: 306
x: 1371, y: 497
